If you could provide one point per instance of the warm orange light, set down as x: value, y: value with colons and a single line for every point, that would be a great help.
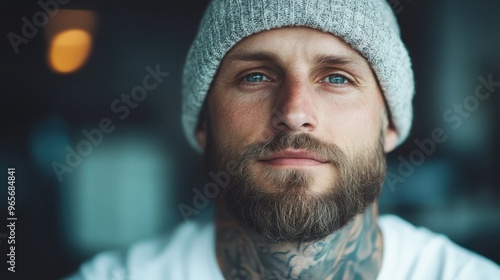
x: 69, y: 49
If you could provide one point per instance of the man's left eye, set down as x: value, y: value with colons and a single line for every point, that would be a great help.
x: 336, y: 79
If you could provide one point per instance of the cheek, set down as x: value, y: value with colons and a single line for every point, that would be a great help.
x: 353, y: 124
x: 236, y: 124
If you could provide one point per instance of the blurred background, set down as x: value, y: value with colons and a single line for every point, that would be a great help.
x: 97, y: 171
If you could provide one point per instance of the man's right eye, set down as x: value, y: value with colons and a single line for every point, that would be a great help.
x: 255, y: 77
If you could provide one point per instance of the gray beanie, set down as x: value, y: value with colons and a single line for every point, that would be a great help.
x: 368, y: 26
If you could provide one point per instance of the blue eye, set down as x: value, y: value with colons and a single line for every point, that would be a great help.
x: 255, y: 77
x: 337, y: 79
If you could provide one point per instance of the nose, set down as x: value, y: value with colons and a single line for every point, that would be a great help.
x: 294, y: 109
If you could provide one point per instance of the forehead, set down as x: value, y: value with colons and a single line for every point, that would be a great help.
x: 293, y: 43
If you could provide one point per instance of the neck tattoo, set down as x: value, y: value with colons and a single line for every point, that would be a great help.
x: 354, y: 252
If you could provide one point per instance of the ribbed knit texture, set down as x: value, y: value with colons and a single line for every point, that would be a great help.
x: 369, y: 26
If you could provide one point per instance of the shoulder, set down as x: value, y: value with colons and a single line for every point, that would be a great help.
x: 417, y: 253
x: 154, y: 258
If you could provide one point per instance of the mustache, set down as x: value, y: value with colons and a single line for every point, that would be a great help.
x: 286, y: 140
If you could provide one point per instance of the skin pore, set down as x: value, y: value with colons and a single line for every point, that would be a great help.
x: 296, y: 80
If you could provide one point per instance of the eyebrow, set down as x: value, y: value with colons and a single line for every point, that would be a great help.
x: 241, y: 55
x: 335, y: 60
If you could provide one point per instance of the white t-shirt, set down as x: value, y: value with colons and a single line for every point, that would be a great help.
x: 189, y: 253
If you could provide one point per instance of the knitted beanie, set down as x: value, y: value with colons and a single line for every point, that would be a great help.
x: 368, y: 26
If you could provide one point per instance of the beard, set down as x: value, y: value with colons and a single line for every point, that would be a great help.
x: 287, y: 210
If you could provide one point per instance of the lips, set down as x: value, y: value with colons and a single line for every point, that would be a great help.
x: 294, y: 157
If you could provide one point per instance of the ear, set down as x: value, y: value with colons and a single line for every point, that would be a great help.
x: 201, y: 133
x: 391, y: 139
x: 390, y: 133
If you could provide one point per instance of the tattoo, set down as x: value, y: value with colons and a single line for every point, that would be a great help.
x: 354, y: 252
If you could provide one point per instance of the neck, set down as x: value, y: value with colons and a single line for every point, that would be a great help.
x: 354, y: 252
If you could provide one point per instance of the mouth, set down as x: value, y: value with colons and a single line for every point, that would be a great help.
x: 294, y: 158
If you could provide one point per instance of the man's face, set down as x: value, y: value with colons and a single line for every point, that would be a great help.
x: 303, y: 115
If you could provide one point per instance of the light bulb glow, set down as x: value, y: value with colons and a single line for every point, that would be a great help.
x: 69, y: 50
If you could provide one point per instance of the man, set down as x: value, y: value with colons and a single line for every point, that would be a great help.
x: 297, y: 102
